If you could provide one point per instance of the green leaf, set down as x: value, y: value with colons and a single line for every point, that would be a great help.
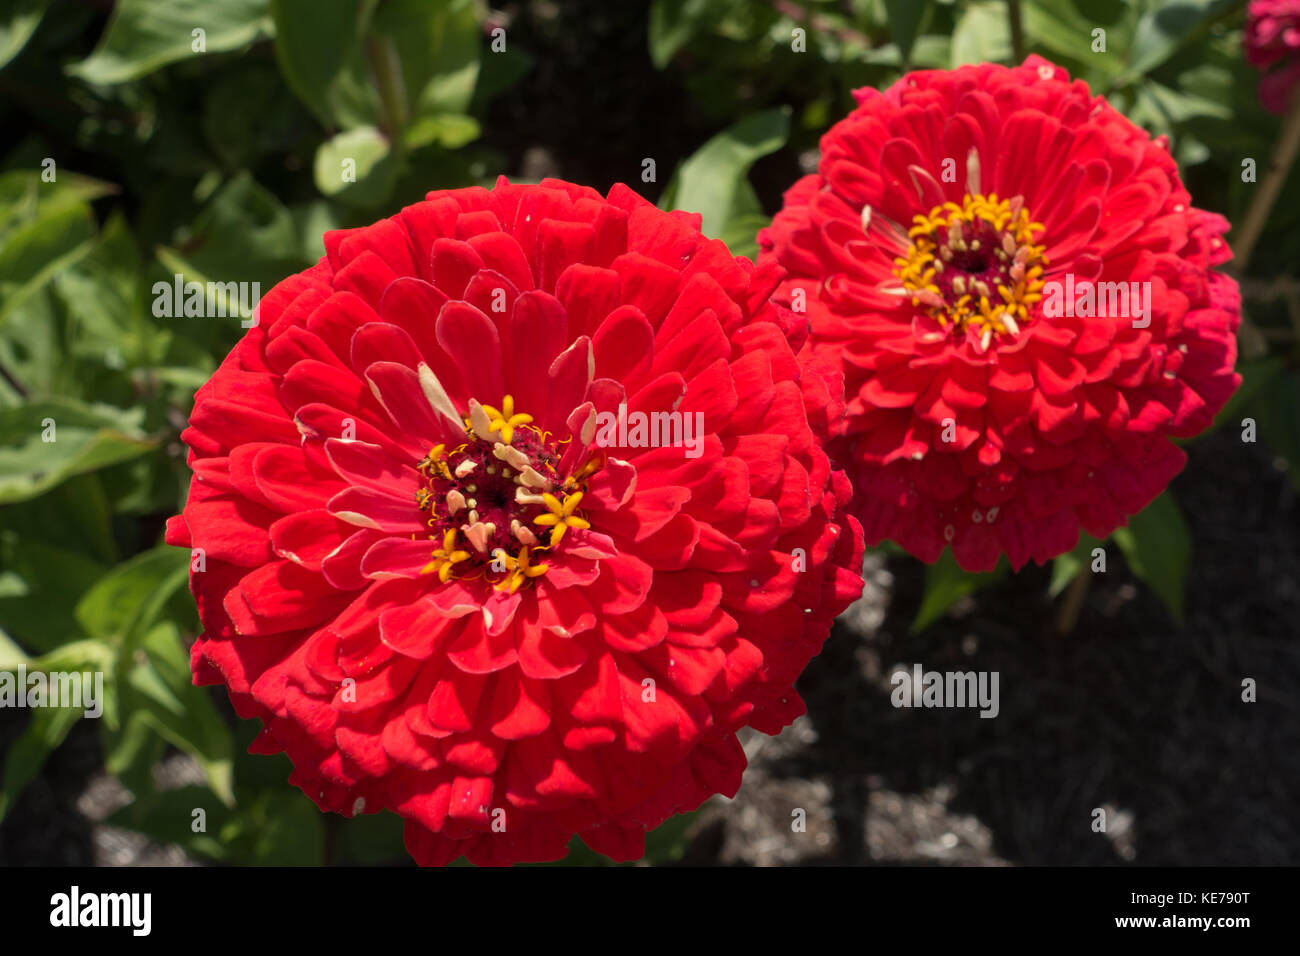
x: 1165, y: 26
x: 128, y: 600
x: 160, y: 688
x: 982, y: 34
x: 906, y: 21
x: 741, y: 234
x: 1157, y: 547
x: 314, y: 40
x: 449, y: 130
x: 1255, y: 377
x: 437, y: 47
x: 17, y: 24
x: 34, y: 253
x: 243, y: 234
x: 371, y: 839
x: 1072, y: 563
x: 86, y: 437
x: 1058, y: 28
x: 667, y: 842
x: 713, y: 181
x: 11, y: 655
x: 286, y: 830
x: 946, y: 583
x: 144, y: 35
x: 131, y: 745
x: 356, y: 167
x: 672, y: 25
x: 24, y: 195
x: 167, y: 816
x: 43, y: 581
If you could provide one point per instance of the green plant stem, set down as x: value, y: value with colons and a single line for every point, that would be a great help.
x: 1246, y: 236
x: 388, y: 82
x: 1068, y: 616
x: 16, y: 385
x: 1017, y: 31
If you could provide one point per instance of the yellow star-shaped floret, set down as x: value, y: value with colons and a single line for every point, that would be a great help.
x: 505, y: 420
x: 446, y: 557
x: 518, y: 571
x: 561, y: 517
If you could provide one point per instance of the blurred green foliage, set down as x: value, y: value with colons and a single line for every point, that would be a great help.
x: 137, y: 149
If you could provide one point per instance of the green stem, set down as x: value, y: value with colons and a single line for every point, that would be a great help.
x: 1246, y: 236
x: 13, y: 383
x: 1072, y: 603
x: 388, y: 78
x: 1270, y: 186
x: 1017, y: 31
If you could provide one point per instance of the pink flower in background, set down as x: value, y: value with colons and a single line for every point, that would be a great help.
x: 1273, y: 48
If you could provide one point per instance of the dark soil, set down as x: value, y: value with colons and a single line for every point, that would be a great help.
x: 1129, y: 713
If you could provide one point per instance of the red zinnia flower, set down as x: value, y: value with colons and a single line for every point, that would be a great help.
x: 950, y: 221
x: 1273, y: 47
x: 436, y: 583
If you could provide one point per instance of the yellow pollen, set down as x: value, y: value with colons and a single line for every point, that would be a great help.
x: 446, y: 557
x: 505, y: 420
x: 965, y: 282
x: 561, y: 517
x: 518, y: 571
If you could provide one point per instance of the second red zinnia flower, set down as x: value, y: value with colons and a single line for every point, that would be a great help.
x: 1024, y: 304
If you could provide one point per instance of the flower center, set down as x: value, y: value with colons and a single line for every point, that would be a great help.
x: 975, y: 265
x: 497, y: 503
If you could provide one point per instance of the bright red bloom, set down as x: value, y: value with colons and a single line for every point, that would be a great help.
x: 1273, y: 47
x: 951, y: 218
x: 449, y: 587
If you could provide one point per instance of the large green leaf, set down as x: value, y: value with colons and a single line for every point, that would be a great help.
x: 314, y: 39
x: 357, y: 167
x: 1164, y: 26
x: 52, y: 552
x: 982, y: 34
x: 144, y: 35
x: 109, y: 321
x: 713, y: 181
x: 906, y: 21
x: 18, y: 21
x: 1158, y: 547
x: 674, y: 22
x: 158, y: 685
x: 436, y: 43
x: 86, y: 437
x: 38, y: 250
x: 127, y: 601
